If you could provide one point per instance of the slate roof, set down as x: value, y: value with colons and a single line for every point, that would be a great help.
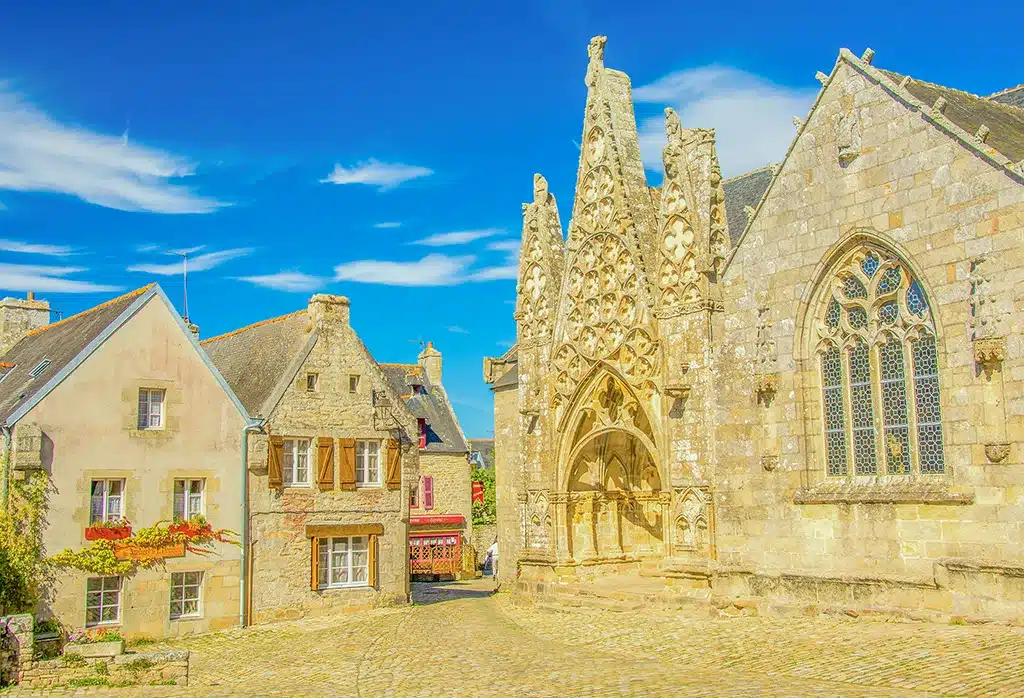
x: 443, y: 432
x: 253, y: 359
x: 485, y: 447
x: 745, y: 190
x: 1005, y: 122
x: 1013, y: 96
x: 59, y: 343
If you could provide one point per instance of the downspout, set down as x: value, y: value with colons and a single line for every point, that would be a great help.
x: 244, y: 562
x: 5, y: 460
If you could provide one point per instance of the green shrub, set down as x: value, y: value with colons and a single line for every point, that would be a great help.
x: 167, y: 682
x: 101, y: 669
x: 137, y: 664
x: 141, y: 641
x: 72, y: 659
x: 88, y: 681
x: 484, y: 512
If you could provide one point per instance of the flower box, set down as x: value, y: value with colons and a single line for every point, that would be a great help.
x: 144, y: 553
x: 107, y: 532
x: 191, y: 530
x: 92, y: 650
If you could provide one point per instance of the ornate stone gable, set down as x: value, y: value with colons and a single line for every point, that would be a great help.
x: 541, y: 259
x: 606, y: 300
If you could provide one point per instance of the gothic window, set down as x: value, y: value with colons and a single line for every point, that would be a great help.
x: 879, y: 372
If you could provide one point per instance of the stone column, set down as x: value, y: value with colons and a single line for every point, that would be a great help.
x: 616, y: 511
x: 588, y: 504
x: 560, y: 501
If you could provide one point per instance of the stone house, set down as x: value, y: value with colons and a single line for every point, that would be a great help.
x: 481, y: 453
x: 440, y: 501
x: 329, y: 473
x: 122, y: 413
x: 803, y: 386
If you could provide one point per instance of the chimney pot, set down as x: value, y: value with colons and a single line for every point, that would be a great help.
x: 31, y: 295
x: 327, y: 311
x: 430, y: 360
x: 19, y: 316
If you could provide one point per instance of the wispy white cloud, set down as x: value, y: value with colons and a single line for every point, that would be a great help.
x: 432, y: 270
x: 286, y: 281
x: 41, y: 155
x: 457, y: 238
x: 505, y: 272
x: 505, y: 344
x: 458, y: 330
x: 388, y: 224
x: 752, y: 117
x: 148, y: 247
x: 382, y: 174
x: 203, y: 262
x: 47, y: 279
x: 187, y: 250
x: 35, y: 248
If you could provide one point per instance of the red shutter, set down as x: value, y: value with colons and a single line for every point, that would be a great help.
x: 428, y: 492
x: 423, y: 432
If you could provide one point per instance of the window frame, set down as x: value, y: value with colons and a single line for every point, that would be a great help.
x: 184, y: 586
x: 107, y: 482
x: 147, y: 423
x: 312, y: 382
x: 353, y: 383
x: 291, y: 452
x: 362, y: 463
x: 103, y: 592
x: 904, y: 326
x: 187, y: 493
x: 326, y: 563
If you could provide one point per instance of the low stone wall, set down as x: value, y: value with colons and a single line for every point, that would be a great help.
x: 134, y: 669
x: 483, y: 537
x: 16, y: 639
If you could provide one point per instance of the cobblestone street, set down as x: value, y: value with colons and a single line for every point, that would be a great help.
x: 459, y: 640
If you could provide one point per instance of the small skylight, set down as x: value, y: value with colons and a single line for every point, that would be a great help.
x: 40, y: 367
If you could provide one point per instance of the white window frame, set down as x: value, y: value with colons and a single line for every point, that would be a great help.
x: 353, y: 383
x: 329, y: 559
x: 311, y: 382
x: 363, y: 454
x: 189, y: 494
x: 293, y: 454
x: 104, y: 596
x: 150, y: 419
x: 179, y: 580
x: 106, y: 498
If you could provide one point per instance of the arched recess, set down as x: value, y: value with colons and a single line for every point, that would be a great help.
x: 611, y: 472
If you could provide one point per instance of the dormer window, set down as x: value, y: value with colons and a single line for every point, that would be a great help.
x: 40, y: 367
x: 418, y: 389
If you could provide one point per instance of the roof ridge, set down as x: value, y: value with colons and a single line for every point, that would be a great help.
x: 105, y: 304
x: 403, y: 365
x: 955, y: 89
x: 253, y: 326
x: 1003, y: 92
x: 769, y: 167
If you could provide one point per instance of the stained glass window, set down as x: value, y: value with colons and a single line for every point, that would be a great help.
x: 880, y: 365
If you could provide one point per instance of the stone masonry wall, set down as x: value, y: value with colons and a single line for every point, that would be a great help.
x: 281, y: 559
x: 508, y: 483
x: 453, y: 491
x: 936, y: 205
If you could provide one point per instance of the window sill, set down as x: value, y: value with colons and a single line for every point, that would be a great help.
x: 346, y: 587
x: 185, y: 619
x: 360, y: 486
x: 891, y: 492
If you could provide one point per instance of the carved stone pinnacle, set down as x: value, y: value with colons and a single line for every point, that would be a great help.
x: 868, y: 55
x: 821, y: 77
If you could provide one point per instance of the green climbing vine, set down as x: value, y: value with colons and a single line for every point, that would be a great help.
x: 23, y: 570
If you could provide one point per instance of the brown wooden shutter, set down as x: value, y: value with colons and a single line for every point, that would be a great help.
x: 274, y: 458
x: 372, y: 548
x: 347, y: 474
x: 314, y: 574
x: 325, y: 463
x: 394, y: 465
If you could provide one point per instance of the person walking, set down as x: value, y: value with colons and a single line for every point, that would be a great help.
x: 492, y: 555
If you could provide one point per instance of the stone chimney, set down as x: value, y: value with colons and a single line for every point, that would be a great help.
x: 430, y: 360
x: 328, y: 312
x: 18, y: 316
x: 192, y: 327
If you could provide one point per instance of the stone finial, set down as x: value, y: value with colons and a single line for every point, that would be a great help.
x: 940, y: 104
x: 982, y: 133
x: 904, y: 82
x: 868, y: 55
x: 821, y: 77
x: 595, y: 50
x: 673, y: 127
x: 540, y: 189
x: 797, y: 121
x: 749, y: 211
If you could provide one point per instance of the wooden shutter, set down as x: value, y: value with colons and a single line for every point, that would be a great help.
x: 394, y: 465
x: 372, y: 548
x: 325, y: 462
x: 347, y: 471
x: 274, y: 458
x: 314, y: 575
x: 428, y: 492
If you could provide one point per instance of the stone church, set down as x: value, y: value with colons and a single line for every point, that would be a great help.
x: 798, y: 389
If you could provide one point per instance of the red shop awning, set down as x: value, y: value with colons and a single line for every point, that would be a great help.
x: 431, y: 520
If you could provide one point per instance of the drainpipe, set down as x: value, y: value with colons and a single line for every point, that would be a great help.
x: 243, y: 562
x: 5, y: 460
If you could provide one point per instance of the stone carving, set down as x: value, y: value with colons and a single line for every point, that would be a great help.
x: 769, y: 462
x: 997, y: 452
x: 596, y: 53
x: 848, y: 136
x: 719, y: 238
x: 540, y: 189
x: 539, y: 531
x: 989, y: 354
x: 690, y: 519
x: 821, y: 77
x: 984, y: 318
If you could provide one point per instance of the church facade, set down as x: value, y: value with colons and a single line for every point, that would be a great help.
x: 800, y: 388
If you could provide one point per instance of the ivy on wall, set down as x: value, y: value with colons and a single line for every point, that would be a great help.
x: 23, y: 571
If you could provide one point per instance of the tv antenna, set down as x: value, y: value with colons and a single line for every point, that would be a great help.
x: 184, y: 278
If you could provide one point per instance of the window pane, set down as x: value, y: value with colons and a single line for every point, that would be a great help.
x: 890, y: 281
x: 109, y: 614
x: 111, y: 583
x: 113, y: 508
x: 926, y: 402
x: 94, y: 584
x: 177, y: 592
x: 862, y: 411
x: 176, y: 609
x: 894, y: 407
x: 193, y: 577
x: 835, y: 420
x: 92, y: 616
x: 288, y: 466
x: 853, y: 288
x: 143, y: 409
x: 96, y: 503
x: 323, y: 573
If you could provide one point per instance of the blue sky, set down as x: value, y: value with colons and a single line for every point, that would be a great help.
x: 382, y: 151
